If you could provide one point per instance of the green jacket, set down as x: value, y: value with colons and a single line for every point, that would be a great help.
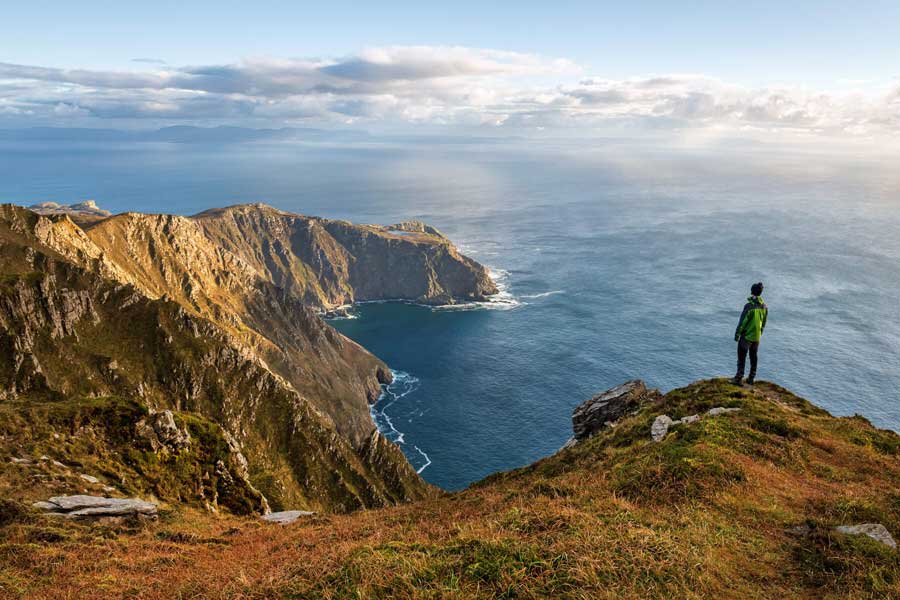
x: 753, y: 320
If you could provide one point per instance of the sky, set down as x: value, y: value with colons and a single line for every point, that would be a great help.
x: 793, y: 68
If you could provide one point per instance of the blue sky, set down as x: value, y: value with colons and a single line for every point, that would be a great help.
x: 750, y: 42
x: 798, y: 49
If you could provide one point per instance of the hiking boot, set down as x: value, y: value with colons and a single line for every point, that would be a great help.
x: 737, y: 380
x: 750, y: 380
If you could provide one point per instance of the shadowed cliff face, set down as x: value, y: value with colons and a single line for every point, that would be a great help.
x: 215, y: 315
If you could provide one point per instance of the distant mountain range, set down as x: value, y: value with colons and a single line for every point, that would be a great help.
x: 181, y: 134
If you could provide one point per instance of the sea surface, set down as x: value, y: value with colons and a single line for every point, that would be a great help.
x: 617, y: 261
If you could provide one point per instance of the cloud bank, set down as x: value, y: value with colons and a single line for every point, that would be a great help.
x: 442, y: 86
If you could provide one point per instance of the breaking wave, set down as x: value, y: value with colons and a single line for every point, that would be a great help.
x: 502, y: 300
x: 402, y: 385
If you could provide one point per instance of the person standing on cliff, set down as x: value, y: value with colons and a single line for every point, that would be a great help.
x: 749, y: 331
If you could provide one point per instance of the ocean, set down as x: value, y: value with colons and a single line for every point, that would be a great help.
x: 617, y: 261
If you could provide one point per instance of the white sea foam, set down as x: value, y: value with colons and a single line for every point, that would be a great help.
x: 337, y: 317
x: 402, y: 385
x: 544, y: 295
x: 502, y: 300
x: 425, y: 456
x: 348, y: 317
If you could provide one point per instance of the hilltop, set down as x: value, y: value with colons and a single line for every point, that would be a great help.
x: 737, y: 504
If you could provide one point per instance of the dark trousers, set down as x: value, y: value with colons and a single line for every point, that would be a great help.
x: 745, y: 347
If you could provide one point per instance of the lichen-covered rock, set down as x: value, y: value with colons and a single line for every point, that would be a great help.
x: 660, y: 427
x: 286, y: 516
x: 82, y: 507
x: 607, y: 407
x: 876, y: 531
x: 663, y: 423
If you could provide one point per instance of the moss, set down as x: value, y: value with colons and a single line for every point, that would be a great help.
x: 673, y: 470
x: 13, y: 512
x: 779, y: 427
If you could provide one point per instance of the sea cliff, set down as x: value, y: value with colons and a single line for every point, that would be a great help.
x: 216, y: 315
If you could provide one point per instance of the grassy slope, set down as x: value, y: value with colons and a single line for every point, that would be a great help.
x: 708, y: 512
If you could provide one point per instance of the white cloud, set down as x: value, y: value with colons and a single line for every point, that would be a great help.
x: 439, y: 85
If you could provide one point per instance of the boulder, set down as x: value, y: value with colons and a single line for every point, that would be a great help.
x: 660, y: 427
x: 876, y: 531
x: 286, y: 516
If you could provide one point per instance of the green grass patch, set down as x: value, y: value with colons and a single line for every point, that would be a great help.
x: 504, y: 568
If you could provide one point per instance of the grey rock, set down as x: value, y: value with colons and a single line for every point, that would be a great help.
x: 79, y: 501
x: 162, y: 432
x: 286, y: 516
x: 570, y: 443
x: 131, y: 507
x: 89, y: 478
x: 660, y: 427
x: 21, y: 461
x: 168, y: 432
x: 81, y: 506
x: 686, y: 420
x: 720, y: 410
x: 608, y: 407
x: 876, y: 531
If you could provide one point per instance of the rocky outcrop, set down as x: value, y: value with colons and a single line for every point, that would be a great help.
x: 606, y: 408
x: 85, y: 212
x: 416, y: 227
x: 162, y: 433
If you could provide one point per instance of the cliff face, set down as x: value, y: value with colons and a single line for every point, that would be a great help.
x: 214, y: 315
x: 329, y: 263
